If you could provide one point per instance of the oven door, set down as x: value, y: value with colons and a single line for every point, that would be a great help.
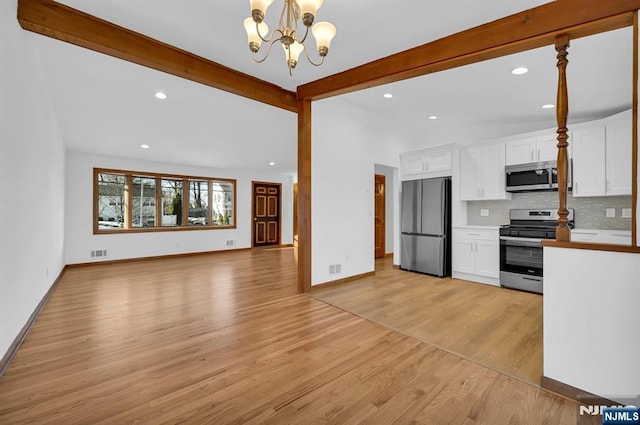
x: 521, y: 256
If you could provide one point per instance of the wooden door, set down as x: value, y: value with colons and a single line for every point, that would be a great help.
x: 379, y: 246
x: 266, y: 213
x: 295, y: 214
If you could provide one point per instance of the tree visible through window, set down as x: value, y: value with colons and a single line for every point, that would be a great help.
x: 111, y: 201
x: 130, y: 201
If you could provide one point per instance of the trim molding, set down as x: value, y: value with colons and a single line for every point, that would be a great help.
x: 155, y: 257
x: 19, y: 339
x: 388, y: 255
x: 345, y: 280
x: 570, y: 392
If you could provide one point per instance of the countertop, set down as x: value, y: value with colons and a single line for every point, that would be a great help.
x: 475, y: 226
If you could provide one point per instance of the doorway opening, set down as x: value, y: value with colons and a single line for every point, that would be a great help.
x: 380, y: 222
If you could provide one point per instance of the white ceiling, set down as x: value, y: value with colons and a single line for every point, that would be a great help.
x: 107, y: 106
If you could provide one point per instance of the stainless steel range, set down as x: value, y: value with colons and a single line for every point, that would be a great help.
x: 521, y: 247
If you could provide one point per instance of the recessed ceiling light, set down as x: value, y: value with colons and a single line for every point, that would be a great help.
x: 387, y: 95
x: 548, y: 106
x: 272, y: 163
x: 519, y: 71
x: 144, y: 146
x: 161, y: 95
x: 433, y: 117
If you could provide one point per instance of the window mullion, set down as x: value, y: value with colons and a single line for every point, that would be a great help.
x: 128, y: 205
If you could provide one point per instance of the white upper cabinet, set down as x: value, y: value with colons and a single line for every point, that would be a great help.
x: 538, y: 148
x: 432, y: 162
x: 482, y: 175
x: 618, y: 151
x: 589, y: 176
x: 470, y: 173
x: 521, y: 151
x: 602, y: 158
x: 547, y: 147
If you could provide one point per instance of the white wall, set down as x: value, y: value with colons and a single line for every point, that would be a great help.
x: 388, y: 172
x: 80, y: 240
x: 591, y: 319
x: 346, y: 143
x: 32, y: 172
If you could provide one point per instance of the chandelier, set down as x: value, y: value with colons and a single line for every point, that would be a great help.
x: 287, y: 31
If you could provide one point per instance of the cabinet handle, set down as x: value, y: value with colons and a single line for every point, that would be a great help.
x: 538, y: 154
x: 608, y: 186
x: 471, y: 246
x: 474, y: 234
x: 532, y: 155
x: 476, y: 246
x: 575, y: 187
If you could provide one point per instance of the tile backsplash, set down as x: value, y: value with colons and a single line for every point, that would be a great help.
x: 590, y: 213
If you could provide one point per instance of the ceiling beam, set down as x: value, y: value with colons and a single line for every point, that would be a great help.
x: 526, y: 30
x: 64, y: 23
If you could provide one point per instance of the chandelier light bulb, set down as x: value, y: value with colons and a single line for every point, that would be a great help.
x: 292, y: 53
x: 252, y: 34
x: 324, y: 33
x: 259, y: 9
x: 309, y: 9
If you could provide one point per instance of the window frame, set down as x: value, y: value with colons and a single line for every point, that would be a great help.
x: 128, y: 209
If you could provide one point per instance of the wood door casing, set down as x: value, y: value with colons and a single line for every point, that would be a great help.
x: 380, y: 226
x: 266, y: 214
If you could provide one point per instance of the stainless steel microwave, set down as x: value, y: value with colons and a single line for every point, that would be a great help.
x: 534, y: 176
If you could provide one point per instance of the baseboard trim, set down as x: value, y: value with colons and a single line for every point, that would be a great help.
x: 155, y: 257
x: 19, y: 339
x: 331, y: 283
x: 388, y: 254
x: 396, y: 266
x: 268, y: 247
x: 573, y: 393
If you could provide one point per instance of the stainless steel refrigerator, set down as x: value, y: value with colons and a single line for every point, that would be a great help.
x: 426, y: 226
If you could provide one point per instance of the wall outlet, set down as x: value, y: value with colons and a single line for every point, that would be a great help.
x: 626, y: 213
x: 338, y: 268
x: 230, y: 243
x: 484, y: 212
x: 332, y: 269
x: 611, y: 212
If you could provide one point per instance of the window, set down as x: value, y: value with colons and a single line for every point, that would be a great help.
x: 223, y: 203
x: 111, y: 201
x: 143, y: 202
x: 128, y: 201
x: 199, y: 203
x: 171, y: 202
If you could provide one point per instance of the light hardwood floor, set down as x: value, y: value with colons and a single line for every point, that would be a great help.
x: 224, y: 339
x: 496, y: 327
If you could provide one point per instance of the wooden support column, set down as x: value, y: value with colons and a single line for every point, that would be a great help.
x: 563, y: 232
x: 304, y: 195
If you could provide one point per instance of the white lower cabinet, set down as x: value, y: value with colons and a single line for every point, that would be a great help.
x: 476, y: 254
x: 616, y: 237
